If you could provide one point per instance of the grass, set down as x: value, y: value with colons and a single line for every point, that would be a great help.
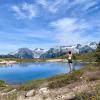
x: 66, y: 79
x: 4, y: 87
x: 94, y: 78
x: 86, y: 57
x: 2, y: 83
x: 93, y: 94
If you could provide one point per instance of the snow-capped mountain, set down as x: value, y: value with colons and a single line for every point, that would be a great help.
x: 93, y: 45
x: 60, y: 50
x: 52, y: 52
x: 27, y: 53
x: 38, y: 52
x: 23, y: 53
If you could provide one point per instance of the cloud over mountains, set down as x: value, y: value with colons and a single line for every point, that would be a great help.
x: 45, y: 23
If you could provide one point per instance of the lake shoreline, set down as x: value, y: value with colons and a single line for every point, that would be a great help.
x: 19, y: 61
x: 10, y: 62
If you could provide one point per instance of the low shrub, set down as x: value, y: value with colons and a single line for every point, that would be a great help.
x: 2, y: 83
x: 93, y: 78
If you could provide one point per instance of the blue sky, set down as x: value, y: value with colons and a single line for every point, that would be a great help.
x: 47, y: 23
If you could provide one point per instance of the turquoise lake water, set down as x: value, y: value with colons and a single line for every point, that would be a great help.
x: 21, y: 73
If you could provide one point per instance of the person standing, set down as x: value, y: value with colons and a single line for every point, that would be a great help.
x: 70, y: 61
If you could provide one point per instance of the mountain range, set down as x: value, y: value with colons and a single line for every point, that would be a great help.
x: 78, y: 48
x: 52, y: 52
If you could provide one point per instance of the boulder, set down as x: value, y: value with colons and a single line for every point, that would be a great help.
x: 30, y: 93
x: 12, y: 92
x: 43, y: 91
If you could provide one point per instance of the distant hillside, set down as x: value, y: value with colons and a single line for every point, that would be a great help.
x: 23, y: 53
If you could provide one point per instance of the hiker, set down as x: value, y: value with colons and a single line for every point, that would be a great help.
x: 70, y: 61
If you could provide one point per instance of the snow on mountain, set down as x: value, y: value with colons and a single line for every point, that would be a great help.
x: 53, y: 52
x: 59, y: 50
x: 38, y: 52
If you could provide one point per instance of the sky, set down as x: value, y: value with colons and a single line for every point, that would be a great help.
x: 48, y: 23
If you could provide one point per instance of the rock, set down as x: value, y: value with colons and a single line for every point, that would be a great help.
x: 44, y: 91
x: 30, y: 93
x: 12, y: 92
x: 37, y: 97
x: 81, y: 77
x: 3, y: 94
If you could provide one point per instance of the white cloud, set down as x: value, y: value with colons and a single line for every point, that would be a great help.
x: 30, y: 8
x: 86, y: 4
x: 43, y: 2
x: 70, y: 30
x: 29, y: 11
x: 89, y: 5
x: 56, y: 5
x: 18, y: 13
x: 65, y: 23
x: 24, y: 11
x: 51, y: 6
x: 69, y: 24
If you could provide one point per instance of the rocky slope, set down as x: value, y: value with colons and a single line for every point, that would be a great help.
x: 23, y: 53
